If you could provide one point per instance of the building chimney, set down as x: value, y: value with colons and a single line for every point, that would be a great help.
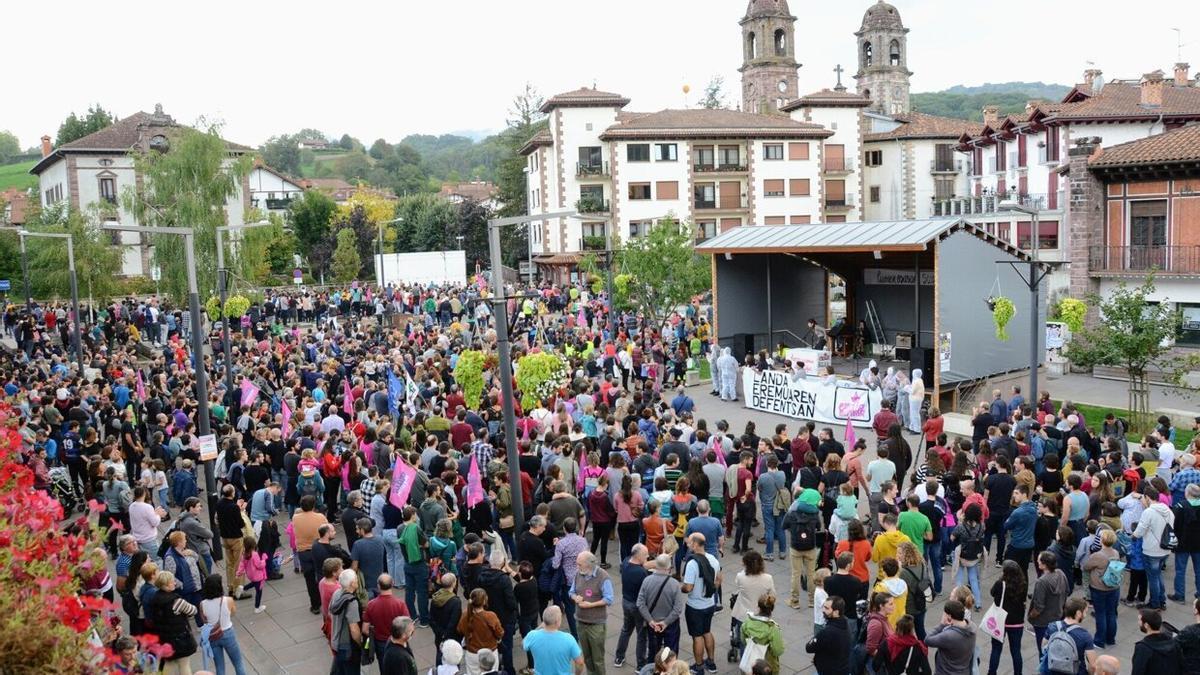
x: 1031, y: 104
x: 991, y: 115
x: 1091, y: 75
x: 1152, y: 89
x: 1181, y: 75
x: 1085, y: 219
x: 46, y: 147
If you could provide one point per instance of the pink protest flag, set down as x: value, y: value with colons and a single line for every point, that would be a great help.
x: 582, y: 317
x: 287, y: 420
x: 580, y: 481
x: 474, y: 484
x: 403, y: 477
x: 850, y: 437
x: 249, y: 393
x: 141, y: 387
x: 718, y: 448
x: 347, y: 397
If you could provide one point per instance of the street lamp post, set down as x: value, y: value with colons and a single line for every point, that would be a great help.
x: 76, y: 339
x: 223, y: 289
x: 1034, y: 283
x: 189, y: 245
x: 25, y: 273
x: 504, y: 349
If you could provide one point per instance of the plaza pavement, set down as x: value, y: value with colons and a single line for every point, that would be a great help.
x: 286, y: 638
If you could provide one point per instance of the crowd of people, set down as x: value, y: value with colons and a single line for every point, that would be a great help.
x: 313, y: 437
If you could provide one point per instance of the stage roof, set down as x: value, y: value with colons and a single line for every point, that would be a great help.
x: 890, y: 236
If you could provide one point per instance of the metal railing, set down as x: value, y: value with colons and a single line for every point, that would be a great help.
x: 720, y: 204
x: 843, y: 202
x: 738, y: 167
x: 1139, y: 259
x: 592, y: 205
x: 839, y: 165
x: 591, y: 170
x: 960, y: 206
x: 278, y: 204
x: 945, y: 166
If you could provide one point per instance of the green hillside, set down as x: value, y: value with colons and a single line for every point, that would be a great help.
x: 968, y: 102
x: 17, y: 175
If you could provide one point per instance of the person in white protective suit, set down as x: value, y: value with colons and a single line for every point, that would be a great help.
x: 727, y: 366
x: 916, y: 396
x: 869, y: 377
x: 714, y: 355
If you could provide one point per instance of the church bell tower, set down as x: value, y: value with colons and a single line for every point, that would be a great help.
x: 769, y: 69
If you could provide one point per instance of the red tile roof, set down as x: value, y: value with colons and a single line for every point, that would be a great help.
x: 18, y: 200
x: 920, y: 125
x: 539, y: 139
x: 1178, y: 145
x: 1123, y: 100
x: 706, y: 123
x: 583, y: 98
x: 827, y: 98
x: 480, y: 191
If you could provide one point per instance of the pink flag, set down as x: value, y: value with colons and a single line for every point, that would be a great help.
x: 287, y: 420
x: 851, y: 439
x: 474, y: 484
x: 249, y: 393
x: 141, y: 387
x: 582, y: 316
x: 347, y: 397
x: 403, y: 476
x: 718, y: 448
x: 580, y: 481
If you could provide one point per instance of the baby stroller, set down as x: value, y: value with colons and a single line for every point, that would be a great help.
x: 64, y: 490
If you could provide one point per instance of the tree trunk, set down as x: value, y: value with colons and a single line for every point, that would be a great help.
x: 1139, y: 399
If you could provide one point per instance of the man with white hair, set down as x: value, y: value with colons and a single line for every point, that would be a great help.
x: 554, y: 652
x: 592, y: 593
x: 345, y: 632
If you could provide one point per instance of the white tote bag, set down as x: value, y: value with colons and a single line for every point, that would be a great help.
x: 994, y: 619
x: 751, y: 654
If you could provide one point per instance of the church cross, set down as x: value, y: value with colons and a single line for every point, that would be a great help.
x: 839, y: 70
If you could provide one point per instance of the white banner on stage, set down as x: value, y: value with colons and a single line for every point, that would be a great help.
x: 810, y: 399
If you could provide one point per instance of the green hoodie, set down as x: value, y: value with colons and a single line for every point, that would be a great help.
x: 765, y: 632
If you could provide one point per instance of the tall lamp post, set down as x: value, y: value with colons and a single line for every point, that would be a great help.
x: 504, y: 349
x: 189, y: 246
x: 1034, y: 283
x: 223, y: 291
x: 76, y: 339
x: 25, y: 273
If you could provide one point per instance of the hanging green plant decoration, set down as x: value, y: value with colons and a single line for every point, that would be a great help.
x: 1002, y: 312
x: 1072, y: 312
x: 236, y: 306
x: 468, y: 373
x: 540, y: 376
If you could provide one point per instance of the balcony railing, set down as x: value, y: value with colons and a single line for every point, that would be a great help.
x: 839, y: 164
x: 724, y: 167
x: 1141, y: 259
x: 591, y: 170
x: 719, y: 204
x: 592, y: 205
x: 945, y: 166
x: 595, y: 242
x: 962, y: 206
x: 843, y: 202
x: 279, y: 204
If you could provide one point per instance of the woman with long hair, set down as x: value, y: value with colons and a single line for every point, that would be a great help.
x: 752, y: 583
x: 968, y: 536
x: 217, y: 610
x: 170, y: 614
x: 932, y: 427
x: 1102, y: 491
x: 603, y: 518
x: 480, y: 629
x: 916, y: 577
x: 629, y: 515
x: 683, y: 508
x: 857, y: 544
x: 1008, y: 592
x: 899, y: 451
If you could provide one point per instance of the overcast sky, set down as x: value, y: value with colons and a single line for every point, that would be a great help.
x: 387, y: 69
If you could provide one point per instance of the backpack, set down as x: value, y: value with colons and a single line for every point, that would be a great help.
x: 706, y: 573
x: 307, y: 485
x: 858, y: 653
x: 1112, y: 573
x: 1062, y: 654
x: 803, y: 531
x: 972, y: 545
x: 783, y: 499
x: 1168, y: 542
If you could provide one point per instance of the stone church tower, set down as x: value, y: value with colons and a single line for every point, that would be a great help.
x: 769, y: 68
x: 883, y: 59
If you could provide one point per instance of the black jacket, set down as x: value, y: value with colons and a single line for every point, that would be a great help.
x: 349, y: 517
x: 1189, y: 645
x: 831, y: 648
x: 501, y: 598
x: 445, y: 609
x: 229, y: 519
x: 1187, y: 526
x: 398, y: 660
x: 1160, y: 652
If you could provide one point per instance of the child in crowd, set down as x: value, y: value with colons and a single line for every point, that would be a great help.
x: 253, y: 566
x: 819, y: 598
x: 160, y: 483
x: 846, y: 510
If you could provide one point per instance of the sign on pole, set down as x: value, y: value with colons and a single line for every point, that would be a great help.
x: 208, y: 447
x: 5, y: 285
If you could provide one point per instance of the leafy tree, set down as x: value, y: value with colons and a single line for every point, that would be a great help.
x: 366, y: 232
x: 311, y: 135
x: 191, y: 185
x: 97, y: 261
x: 664, y: 269
x: 263, y: 251
x: 282, y: 153
x: 75, y: 127
x: 376, y: 209
x: 714, y: 93
x: 526, y: 108
x: 353, y: 167
x: 9, y: 147
x: 380, y: 149
x: 346, y: 143
x: 424, y: 220
x: 310, y: 216
x: 1133, y: 334
x: 525, y: 119
x: 346, y: 261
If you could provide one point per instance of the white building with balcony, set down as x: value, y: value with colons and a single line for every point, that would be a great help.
x: 272, y: 191
x: 841, y: 112
x: 623, y: 172
x: 97, y: 168
x: 909, y: 164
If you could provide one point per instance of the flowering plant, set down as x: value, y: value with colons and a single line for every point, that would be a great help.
x: 46, y: 626
x: 468, y: 373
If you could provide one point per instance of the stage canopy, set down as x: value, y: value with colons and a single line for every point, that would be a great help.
x: 920, y: 283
